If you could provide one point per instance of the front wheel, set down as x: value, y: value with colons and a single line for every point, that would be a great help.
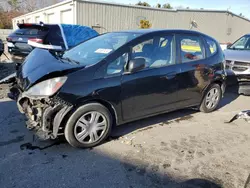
x: 88, y: 126
x: 211, y: 99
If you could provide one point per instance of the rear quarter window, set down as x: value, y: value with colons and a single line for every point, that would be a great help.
x: 212, y: 46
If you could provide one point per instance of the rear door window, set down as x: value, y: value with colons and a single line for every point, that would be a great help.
x: 191, y: 48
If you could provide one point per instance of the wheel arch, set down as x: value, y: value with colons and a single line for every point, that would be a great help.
x: 220, y: 82
x: 105, y: 103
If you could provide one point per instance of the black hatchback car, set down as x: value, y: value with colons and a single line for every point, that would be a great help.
x: 117, y: 78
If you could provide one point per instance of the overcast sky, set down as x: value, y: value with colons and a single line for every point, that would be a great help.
x: 235, y: 6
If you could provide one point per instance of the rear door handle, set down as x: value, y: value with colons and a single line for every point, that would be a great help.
x: 169, y: 76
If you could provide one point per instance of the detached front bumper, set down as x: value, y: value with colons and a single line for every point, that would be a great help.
x: 45, y: 116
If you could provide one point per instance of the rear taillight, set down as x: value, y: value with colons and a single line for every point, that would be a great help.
x: 36, y: 40
x: 9, y: 39
x: 27, y: 24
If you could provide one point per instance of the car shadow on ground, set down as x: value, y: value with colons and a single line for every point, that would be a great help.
x: 168, y: 118
x: 53, y: 164
x: 148, y: 123
x: 232, y: 90
x: 230, y: 96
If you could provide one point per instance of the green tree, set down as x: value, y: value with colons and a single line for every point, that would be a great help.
x: 14, y: 4
x: 158, y: 5
x: 167, y: 6
x: 145, y: 4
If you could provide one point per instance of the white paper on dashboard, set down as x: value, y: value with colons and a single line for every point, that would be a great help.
x: 103, y: 51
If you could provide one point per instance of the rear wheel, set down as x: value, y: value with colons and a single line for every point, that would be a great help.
x: 211, y: 99
x: 88, y: 126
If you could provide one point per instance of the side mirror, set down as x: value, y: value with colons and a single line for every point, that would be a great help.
x: 135, y: 65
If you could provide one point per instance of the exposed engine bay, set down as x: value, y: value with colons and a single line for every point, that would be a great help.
x: 45, y: 116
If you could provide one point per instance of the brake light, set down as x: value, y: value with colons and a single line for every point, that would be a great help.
x: 26, y: 24
x: 36, y: 40
x: 9, y: 39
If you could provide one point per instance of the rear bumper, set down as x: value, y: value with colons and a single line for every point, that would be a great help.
x: 46, y: 117
x: 17, y: 51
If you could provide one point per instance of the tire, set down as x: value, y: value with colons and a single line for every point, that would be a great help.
x: 205, y: 106
x: 80, y: 123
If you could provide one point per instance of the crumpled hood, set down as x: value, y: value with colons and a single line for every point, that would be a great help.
x: 237, y: 55
x: 39, y: 65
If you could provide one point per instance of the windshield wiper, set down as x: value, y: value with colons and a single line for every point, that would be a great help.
x: 70, y: 60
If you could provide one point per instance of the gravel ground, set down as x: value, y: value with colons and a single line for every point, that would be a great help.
x: 5, y: 70
x: 180, y: 149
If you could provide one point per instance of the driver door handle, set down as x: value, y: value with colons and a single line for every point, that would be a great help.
x: 169, y: 76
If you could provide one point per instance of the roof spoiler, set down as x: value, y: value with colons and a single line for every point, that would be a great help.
x: 27, y: 25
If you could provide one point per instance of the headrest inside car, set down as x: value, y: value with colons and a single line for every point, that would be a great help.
x: 147, y: 48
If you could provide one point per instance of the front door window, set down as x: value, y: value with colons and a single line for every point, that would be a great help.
x: 157, y: 52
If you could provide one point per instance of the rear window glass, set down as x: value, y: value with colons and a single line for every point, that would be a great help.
x: 29, y: 31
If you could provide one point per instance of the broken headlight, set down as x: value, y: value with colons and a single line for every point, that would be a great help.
x: 46, y: 88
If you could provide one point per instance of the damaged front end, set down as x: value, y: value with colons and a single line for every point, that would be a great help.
x: 44, y: 110
x: 36, y: 87
x: 45, y: 116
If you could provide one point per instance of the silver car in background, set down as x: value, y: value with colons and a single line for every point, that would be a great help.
x: 238, y: 56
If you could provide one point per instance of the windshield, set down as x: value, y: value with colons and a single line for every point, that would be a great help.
x: 242, y: 44
x: 94, y: 50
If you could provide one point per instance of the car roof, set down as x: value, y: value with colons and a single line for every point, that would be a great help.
x: 147, y: 31
x: 178, y: 31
